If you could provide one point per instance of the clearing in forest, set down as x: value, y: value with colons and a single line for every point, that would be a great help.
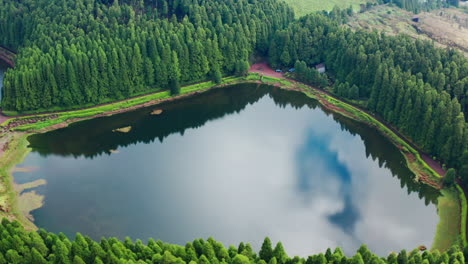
x: 304, y: 7
x: 446, y: 27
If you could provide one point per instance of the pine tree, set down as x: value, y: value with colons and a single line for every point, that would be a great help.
x: 241, y: 259
x: 217, y: 77
x: 78, y: 260
x: 266, y: 252
x: 449, y: 178
x: 37, y: 257
x: 280, y: 254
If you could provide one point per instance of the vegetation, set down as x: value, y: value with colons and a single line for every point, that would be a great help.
x: 446, y: 27
x: 75, y: 53
x: 304, y: 7
x: 464, y: 212
x: 20, y: 246
x: 448, y: 232
x: 411, y: 84
x: 135, y: 47
x: 417, y: 6
x: 9, y: 198
x: 36, y: 123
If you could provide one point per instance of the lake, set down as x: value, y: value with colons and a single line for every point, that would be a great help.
x: 3, y: 68
x: 237, y: 164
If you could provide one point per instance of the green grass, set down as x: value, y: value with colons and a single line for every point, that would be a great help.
x: 368, y: 119
x: 355, y: 113
x: 304, y: 7
x: 448, y: 230
x: 464, y: 209
x: 447, y: 233
x: 253, y: 76
x: 15, y: 154
x: 17, y: 151
x: 90, y: 112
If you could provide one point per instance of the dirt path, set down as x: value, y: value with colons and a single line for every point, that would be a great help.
x: 264, y: 68
x: 3, y: 118
x: 52, y: 115
x: 433, y: 164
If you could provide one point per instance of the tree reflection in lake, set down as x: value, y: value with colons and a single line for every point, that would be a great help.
x: 238, y: 164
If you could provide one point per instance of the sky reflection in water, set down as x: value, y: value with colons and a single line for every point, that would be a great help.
x: 291, y: 174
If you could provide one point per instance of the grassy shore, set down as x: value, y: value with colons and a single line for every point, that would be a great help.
x: 52, y: 119
x: 9, y: 197
x: 451, y: 208
x: 448, y: 233
x: 452, y: 205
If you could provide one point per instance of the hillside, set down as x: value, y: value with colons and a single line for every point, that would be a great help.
x: 447, y: 27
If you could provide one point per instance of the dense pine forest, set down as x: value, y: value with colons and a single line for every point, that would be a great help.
x: 79, y: 53
x: 420, y: 89
x: 20, y: 246
x: 74, y: 53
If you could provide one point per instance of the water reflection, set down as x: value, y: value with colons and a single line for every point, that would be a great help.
x: 3, y: 68
x: 233, y: 165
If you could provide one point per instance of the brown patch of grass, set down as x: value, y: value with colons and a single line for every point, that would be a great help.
x: 410, y: 157
x: 28, y: 202
x: 9, y: 198
x: 447, y: 27
x: 123, y: 129
x: 156, y: 112
x: 420, y: 174
x: 334, y: 108
x: 24, y: 169
x: 29, y: 185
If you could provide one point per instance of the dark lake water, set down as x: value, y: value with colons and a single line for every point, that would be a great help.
x: 3, y: 68
x: 237, y: 164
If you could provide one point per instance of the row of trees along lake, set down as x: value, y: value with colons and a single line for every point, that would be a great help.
x: 20, y: 246
x: 77, y: 53
x: 74, y: 53
x: 183, y: 115
x: 414, y: 86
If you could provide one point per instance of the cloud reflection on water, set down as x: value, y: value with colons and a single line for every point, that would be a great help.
x: 291, y: 174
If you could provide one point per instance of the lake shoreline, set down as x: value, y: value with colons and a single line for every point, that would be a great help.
x: 14, y: 148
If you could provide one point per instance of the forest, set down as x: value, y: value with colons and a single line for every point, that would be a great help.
x: 79, y: 53
x: 82, y: 53
x: 414, y: 86
x: 86, y: 52
x: 20, y: 246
